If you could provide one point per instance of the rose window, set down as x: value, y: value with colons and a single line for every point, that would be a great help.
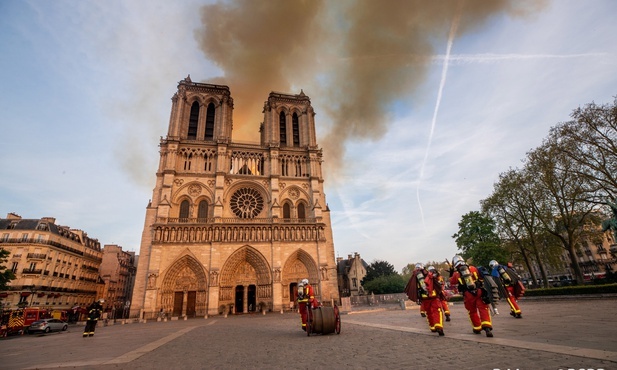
x: 246, y: 203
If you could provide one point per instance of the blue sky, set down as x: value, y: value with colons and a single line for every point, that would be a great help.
x: 85, y: 95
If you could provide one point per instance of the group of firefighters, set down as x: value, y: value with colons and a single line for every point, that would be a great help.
x: 480, y: 288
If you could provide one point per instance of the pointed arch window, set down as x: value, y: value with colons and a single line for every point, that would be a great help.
x: 296, y: 129
x: 286, y: 211
x: 184, y: 211
x: 210, y: 122
x: 202, y: 211
x: 301, y: 211
x: 193, y: 120
x: 283, y: 128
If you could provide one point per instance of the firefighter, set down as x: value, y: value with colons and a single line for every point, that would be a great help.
x: 510, y: 281
x: 306, y: 300
x: 430, y: 289
x: 94, y: 313
x: 443, y: 298
x: 475, y: 297
x: 414, y: 292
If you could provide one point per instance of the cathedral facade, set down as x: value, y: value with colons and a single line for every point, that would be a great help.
x: 233, y: 227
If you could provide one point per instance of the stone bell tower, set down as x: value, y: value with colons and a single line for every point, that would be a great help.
x: 232, y: 227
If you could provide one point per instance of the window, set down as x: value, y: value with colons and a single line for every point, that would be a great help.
x: 301, y: 211
x: 210, y: 122
x: 202, y: 211
x: 39, y: 238
x: 5, y: 237
x: 187, y: 162
x: 283, y: 128
x: 184, y: 211
x: 14, y: 267
x: 286, y: 210
x: 32, y: 266
x: 24, y: 237
x: 193, y: 120
x: 246, y: 203
x: 296, y: 129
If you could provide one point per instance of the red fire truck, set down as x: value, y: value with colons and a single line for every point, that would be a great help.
x: 18, y: 321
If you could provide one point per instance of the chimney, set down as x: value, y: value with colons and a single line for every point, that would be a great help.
x: 13, y: 216
x: 51, y: 220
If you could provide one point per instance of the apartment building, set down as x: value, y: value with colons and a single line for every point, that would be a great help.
x: 55, y: 266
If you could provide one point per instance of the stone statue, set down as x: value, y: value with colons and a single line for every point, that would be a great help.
x: 611, y: 223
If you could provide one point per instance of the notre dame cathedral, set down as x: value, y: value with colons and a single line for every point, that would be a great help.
x: 232, y: 227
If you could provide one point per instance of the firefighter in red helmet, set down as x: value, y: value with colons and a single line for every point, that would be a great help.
x: 475, y: 297
x: 424, y: 287
x: 306, y: 300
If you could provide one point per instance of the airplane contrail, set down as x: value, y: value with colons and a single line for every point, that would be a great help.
x: 444, y: 72
x: 490, y: 57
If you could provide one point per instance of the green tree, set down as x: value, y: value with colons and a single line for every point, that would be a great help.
x: 376, y: 269
x: 6, y: 275
x: 386, y: 284
x: 511, y: 207
x: 477, y: 239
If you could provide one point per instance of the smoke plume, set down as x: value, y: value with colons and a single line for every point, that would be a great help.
x: 359, y: 56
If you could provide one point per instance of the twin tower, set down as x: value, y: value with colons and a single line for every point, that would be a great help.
x: 232, y: 227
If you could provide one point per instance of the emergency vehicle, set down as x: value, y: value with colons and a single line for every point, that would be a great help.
x: 18, y: 321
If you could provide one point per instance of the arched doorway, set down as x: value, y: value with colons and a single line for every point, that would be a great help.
x: 184, y: 288
x: 299, y: 265
x: 247, y: 271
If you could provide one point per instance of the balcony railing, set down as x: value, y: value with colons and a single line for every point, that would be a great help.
x: 37, y: 256
x: 32, y: 271
x: 44, y: 242
x: 236, y: 220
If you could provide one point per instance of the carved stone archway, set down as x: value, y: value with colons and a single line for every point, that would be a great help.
x: 300, y: 265
x: 185, y: 278
x: 245, y: 267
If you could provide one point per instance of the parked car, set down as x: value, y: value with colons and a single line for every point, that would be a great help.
x: 47, y: 325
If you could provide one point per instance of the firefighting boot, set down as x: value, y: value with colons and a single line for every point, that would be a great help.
x: 489, y: 332
x: 440, y: 331
x: 447, y: 317
x: 477, y: 331
x: 519, y: 316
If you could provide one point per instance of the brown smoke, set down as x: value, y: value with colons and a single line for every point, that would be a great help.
x: 364, y: 54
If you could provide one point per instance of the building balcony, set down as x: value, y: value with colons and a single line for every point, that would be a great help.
x: 42, y: 242
x: 36, y: 256
x: 32, y: 271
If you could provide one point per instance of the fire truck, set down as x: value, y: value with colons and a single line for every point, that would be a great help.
x: 18, y: 321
